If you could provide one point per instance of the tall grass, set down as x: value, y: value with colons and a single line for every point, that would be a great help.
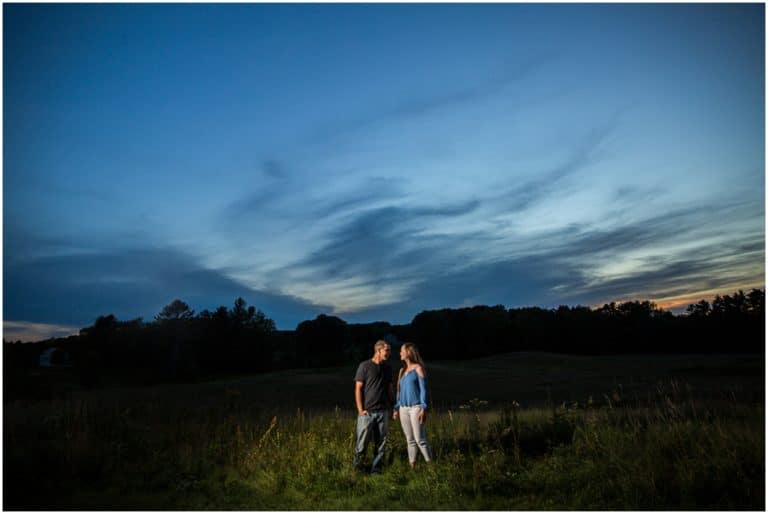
x: 668, y: 451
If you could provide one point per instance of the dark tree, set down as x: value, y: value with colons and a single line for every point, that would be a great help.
x: 176, y: 310
x: 756, y: 302
x: 322, y: 341
x: 701, y: 309
x: 241, y: 340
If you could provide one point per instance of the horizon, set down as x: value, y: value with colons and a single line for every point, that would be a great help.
x: 374, y: 161
x: 25, y: 332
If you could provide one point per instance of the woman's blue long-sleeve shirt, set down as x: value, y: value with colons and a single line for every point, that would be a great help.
x: 413, y: 390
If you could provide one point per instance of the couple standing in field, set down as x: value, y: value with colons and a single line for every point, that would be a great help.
x: 374, y: 396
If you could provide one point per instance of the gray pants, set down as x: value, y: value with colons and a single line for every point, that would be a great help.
x: 372, y: 426
x: 414, y: 433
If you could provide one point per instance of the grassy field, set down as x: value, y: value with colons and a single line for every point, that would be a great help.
x: 523, y: 431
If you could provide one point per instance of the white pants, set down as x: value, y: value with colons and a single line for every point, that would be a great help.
x: 414, y: 433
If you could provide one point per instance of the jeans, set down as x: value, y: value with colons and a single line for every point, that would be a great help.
x: 371, y: 426
x: 414, y: 433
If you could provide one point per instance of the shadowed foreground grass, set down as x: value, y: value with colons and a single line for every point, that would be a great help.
x: 670, y: 452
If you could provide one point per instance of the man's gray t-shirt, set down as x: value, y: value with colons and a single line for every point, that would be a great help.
x: 376, y: 381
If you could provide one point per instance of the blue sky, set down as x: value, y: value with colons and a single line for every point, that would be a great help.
x: 373, y: 161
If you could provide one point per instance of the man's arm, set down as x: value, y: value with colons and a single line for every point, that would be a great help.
x: 393, y: 400
x: 359, y: 398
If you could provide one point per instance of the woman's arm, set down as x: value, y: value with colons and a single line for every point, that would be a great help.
x: 421, y: 375
x: 397, y: 397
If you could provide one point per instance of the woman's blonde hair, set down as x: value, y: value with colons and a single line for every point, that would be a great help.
x: 412, y: 353
x: 413, y: 356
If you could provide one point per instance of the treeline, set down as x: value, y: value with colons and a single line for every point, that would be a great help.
x: 731, y: 324
x: 182, y: 345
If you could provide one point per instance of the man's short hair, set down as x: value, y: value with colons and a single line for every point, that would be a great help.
x: 380, y: 345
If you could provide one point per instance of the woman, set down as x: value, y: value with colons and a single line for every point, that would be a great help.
x: 412, y: 402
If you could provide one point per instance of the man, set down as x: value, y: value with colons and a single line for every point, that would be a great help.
x: 374, y: 397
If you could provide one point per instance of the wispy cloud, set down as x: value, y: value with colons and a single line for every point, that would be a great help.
x: 373, y: 256
x: 420, y: 105
x: 537, y: 188
x: 383, y: 240
x: 274, y: 169
x: 32, y: 332
x: 371, y: 192
x: 75, y: 289
x: 393, y: 258
x: 681, y: 279
x: 494, y: 85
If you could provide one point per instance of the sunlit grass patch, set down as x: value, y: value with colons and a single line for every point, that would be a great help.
x: 669, y: 451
